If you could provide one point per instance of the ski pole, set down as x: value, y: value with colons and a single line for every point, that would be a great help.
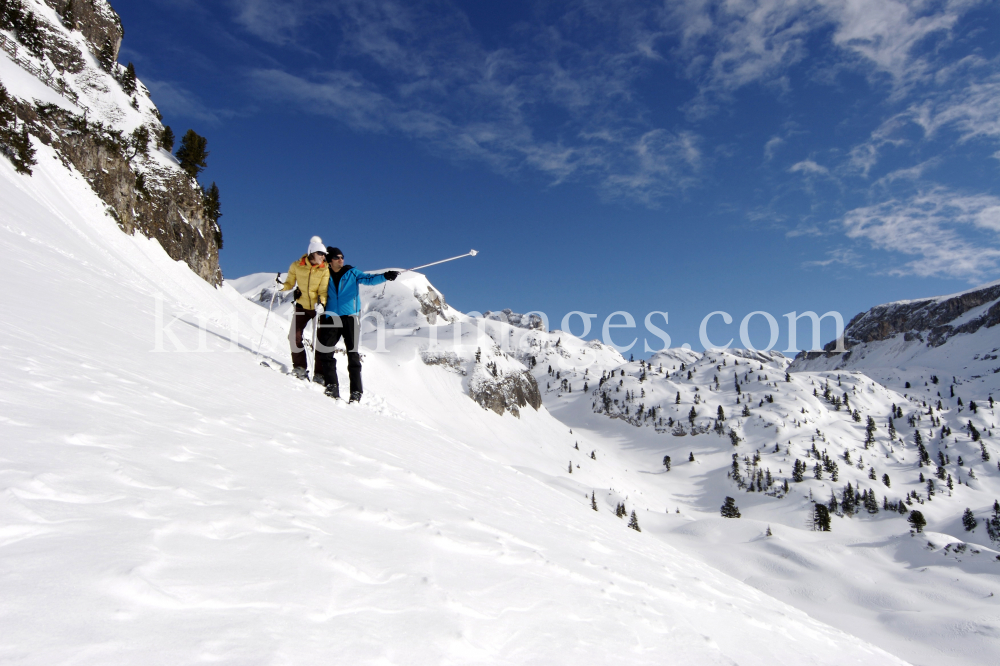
x: 470, y: 253
x: 263, y: 330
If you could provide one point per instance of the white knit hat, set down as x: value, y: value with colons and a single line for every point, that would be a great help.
x: 316, y: 245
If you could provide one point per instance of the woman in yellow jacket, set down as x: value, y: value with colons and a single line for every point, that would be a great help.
x: 309, y: 277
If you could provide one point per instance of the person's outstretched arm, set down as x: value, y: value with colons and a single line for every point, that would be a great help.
x: 374, y: 278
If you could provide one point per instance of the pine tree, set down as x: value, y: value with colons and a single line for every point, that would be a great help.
x: 213, y: 211
x: 692, y: 415
x: 570, y: 466
x: 666, y: 462
x: 917, y: 521
x: 729, y: 508
x: 106, y: 58
x: 29, y: 34
x: 192, y: 154
x: 798, y: 471
x: 137, y: 143
x: 593, y: 501
x: 969, y: 521
x: 678, y: 400
x: 13, y: 143
x: 128, y: 80
x: 166, y: 139
x: 593, y: 455
x: 691, y: 456
x: 722, y: 414
x: 633, y: 522
x: 885, y: 481
x: 821, y: 518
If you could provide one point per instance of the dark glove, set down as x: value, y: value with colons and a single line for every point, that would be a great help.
x: 391, y: 275
x: 297, y: 294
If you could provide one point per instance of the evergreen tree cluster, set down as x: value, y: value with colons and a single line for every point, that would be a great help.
x: 14, y: 144
x: 24, y: 24
x: 993, y: 523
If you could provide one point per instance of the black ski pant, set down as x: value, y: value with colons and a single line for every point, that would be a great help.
x: 299, y: 322
x: 331, y: 330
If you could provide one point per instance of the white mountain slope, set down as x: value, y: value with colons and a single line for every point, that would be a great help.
x: 927, y: 598
x: 161, y: 507
x: 912, y: 595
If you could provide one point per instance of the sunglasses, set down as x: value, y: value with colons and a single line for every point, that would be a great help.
x: 334, y: 257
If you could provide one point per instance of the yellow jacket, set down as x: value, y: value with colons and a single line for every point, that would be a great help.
x: 311, y: 280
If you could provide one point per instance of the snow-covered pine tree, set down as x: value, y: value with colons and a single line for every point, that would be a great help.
x: 729, y: 508
x: 593, y: 501
x: 633, y: 522
x: 969, y: 521
x: 106, y: 58
x: 128, y: 80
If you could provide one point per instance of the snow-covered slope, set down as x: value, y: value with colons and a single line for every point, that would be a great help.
x: 912, y: 594
x: 166, y: 499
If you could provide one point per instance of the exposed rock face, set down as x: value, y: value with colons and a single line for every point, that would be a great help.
x: 932, y: 321
x: 169, y: 208
x: 432, y: 305
x: 96, y: 20
x: 149, y: 196
x: 528, y: 321
x: 508, y: 392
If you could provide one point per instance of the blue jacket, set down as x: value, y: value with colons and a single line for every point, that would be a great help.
x: 343, y: 300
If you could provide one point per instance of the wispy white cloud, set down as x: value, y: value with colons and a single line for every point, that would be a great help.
x: 809, y: 167
x: 949, y: 234
x: 843, y: 256
x: 973, y: 111
x: 424, y: 73
x: 771, y: 147
x: 726, y: 45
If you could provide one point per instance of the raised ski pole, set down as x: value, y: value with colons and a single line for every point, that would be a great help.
x: 277, y: 278
x: 470, y: 253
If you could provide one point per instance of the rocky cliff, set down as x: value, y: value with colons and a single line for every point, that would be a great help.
x: 107, y: 131
x: 927, y: 323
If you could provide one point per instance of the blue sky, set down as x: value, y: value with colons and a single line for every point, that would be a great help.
x: 686, y: 156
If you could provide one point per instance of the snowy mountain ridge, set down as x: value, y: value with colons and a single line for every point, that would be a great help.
x: 65, y: 89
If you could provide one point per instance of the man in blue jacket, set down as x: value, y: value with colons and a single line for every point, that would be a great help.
x: 341, y: 320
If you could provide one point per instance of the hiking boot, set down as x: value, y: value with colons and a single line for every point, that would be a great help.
x: 300, y: 373
x: 333, y: 391
x: 355, y: 396
x: 319, y: 379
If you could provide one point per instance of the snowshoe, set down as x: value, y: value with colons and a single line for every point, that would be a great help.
x: 333, y: 391
x: 355, y: 396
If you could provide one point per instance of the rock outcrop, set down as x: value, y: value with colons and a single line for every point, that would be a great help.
x: 144, y: 188
x: 508, y: 392
x: 932, y: 321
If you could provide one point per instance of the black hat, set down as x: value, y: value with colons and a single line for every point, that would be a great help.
x: 333, y: 251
